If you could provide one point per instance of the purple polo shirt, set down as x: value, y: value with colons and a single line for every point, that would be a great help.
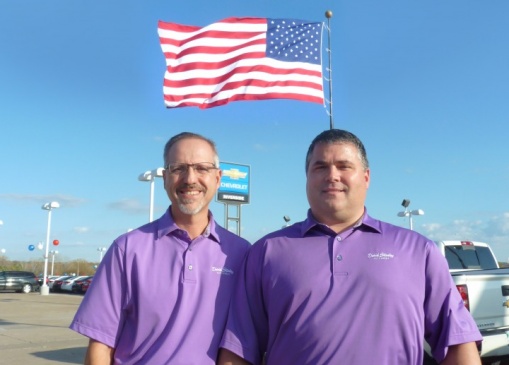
x: 159, y: 297
x: 369, y: 295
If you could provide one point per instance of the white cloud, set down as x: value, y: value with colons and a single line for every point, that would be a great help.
x: 493, y: 230
x: 64, y: 200
x: 260, y: 147
x: 81, y: 229
x: 131, y: 206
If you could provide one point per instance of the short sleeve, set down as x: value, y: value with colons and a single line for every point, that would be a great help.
x: 100, y: 314
x: 247, y: 330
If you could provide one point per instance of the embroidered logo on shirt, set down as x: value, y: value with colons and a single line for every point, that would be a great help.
x: 222, y: 270
x: 380, y: 256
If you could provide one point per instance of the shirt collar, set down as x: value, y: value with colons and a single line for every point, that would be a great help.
x: 366, y: 222
x: 166, y: 225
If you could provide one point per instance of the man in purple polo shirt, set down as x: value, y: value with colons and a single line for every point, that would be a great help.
x: 342, y: 287
x: 162, y: 292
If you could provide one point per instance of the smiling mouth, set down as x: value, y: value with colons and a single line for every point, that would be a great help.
x: 334, y: 190
x: 189, y: 192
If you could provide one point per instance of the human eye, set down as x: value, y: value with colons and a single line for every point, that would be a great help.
x: 202, y: 169
x: 319, y: 166
x: 344, y: 165
x: 178, y: 169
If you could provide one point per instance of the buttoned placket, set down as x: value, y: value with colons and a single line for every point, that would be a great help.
x: 337, y: 256
x: 189, y: 264
x: 190, y: 268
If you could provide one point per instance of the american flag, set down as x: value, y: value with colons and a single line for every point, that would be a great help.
x: 241, y: 59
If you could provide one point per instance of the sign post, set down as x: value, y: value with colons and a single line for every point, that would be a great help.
x: 234, y: 191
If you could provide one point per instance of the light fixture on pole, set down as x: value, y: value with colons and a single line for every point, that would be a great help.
x: 101, y: 251
x: 150, y: 176
x: 53, y: 253
x: 49, y: 207
x: 409, y: 213
x: 287, y: 221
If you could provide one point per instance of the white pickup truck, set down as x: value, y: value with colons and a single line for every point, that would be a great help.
x: 484, y: 287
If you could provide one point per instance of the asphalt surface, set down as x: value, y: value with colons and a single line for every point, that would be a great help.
x: 34, y: 329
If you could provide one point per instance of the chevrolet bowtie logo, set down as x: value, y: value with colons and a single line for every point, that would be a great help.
x: 234, y: 174
x: 506, y: 304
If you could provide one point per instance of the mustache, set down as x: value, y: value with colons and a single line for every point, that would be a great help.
x: 186, y: 186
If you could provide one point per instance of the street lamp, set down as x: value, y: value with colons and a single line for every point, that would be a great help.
x: 49, y: 207
x: 287, y: 221
x: 53, y: 253
x: 101, y: 251
x: 150, y: 176
x: 409, y: 213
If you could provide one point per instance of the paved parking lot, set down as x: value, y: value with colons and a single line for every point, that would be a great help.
x: 34, y: 329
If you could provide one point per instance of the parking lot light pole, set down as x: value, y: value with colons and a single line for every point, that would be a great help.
x: 409, y: 213
x: 150, y: 176
x: 49, y: 207
x: 101, y: 251
x: 53, y: 253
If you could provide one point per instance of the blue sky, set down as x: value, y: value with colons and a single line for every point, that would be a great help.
x: 423, y: 84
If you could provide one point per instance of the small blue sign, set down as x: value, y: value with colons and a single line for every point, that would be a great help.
x: 234, y: 185
x: 31, y: 247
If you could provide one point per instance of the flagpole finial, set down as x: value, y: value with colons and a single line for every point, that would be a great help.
x: 328, y: 14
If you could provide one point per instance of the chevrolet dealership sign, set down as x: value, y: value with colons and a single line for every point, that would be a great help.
x: 234, y: 186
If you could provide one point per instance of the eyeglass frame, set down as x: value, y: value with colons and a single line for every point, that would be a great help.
x: 168, y: 168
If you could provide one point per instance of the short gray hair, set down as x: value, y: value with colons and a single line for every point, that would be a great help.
x: 185, y: 135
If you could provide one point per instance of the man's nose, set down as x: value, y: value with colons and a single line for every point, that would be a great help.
x: 190, y: 174
x: 333, y: 173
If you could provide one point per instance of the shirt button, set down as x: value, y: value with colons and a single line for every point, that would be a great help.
x: 190, y: 267
x: 338, y: 238
x: 339, y: 257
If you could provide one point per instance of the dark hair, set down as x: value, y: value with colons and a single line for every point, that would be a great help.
x: 185, y: 135
x: 338, y: 136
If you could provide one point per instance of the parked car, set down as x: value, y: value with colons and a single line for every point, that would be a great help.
x: 68, y: 283
x: 48, y: 278
x: 56, y: 285
x: 53, y: 278
x: 20, y: 281
x: 77, y: 286
x: 86, y: 284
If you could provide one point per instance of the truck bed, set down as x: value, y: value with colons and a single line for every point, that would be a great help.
x: 488, y: 294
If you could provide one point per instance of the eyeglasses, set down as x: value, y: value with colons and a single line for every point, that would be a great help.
x: 200, y: 168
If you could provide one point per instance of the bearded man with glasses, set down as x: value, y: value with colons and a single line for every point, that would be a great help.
x: 162, y: 292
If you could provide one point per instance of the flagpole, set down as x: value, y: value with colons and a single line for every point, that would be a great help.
x: 328, y: 15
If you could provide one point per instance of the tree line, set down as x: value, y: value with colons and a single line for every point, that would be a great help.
x: 72, y: 267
